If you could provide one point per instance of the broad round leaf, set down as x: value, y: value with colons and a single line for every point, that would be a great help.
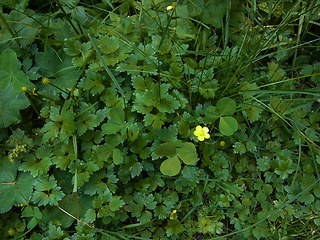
x: 166, y: 149
x: 187, y: 153
x: 228, y: 125
x: 171, y: 166
x: 226, y: 106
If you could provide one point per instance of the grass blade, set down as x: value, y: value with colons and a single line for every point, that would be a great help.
x: 106, y: 67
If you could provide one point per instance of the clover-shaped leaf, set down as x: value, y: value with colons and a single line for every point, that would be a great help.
x: 227, y: 124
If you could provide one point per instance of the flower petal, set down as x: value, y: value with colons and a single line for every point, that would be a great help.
x: 201, y: 138
x: 198, y: 128
x: 206, y: 129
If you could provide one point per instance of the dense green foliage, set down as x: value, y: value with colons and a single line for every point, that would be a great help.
x: 99, y: 104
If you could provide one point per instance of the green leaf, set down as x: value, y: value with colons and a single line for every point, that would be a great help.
x: 10, y: 104
x: 117, y: 157
x: 187, y: 153
x: 111, y: 128
x: 93, y: 82
x: 117, y: 115
x: 109, y: 45
x: 166, y: 149
x: 54, y: 232
x: 47, y: 192
x: 211, y: 115
x: 72, y: 47
x: 226, y: 106
x: 228, y: 125
x: 90, y: 215
x: 37, y: 213
x: 27, y: 212
x: 10, y: 71
x: 171, y: 166
x: 32, y: 223
x: 15, y: 188
x: 162, y: 211
x: 136, y: 169
x: 174, y: 227
x: 34, y: 165
x: 115, y: 203
x: 103, y: 152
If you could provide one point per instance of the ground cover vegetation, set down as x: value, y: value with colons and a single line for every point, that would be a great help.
x: 155, y: 119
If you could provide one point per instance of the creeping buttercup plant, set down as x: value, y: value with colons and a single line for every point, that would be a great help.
x: 155, y: 119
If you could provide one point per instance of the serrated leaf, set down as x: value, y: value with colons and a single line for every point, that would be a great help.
x: 10, y: 104
x: 226, y: 106
x: 166, y: 149
x: 228, y: 125
x: 90, y: 215
x: 187, y: 153
x: 34, y: 166
x: 115, y: 203
x: 171, y: 166
x: 174, y: 227
x: 47, y: 192
x: 136, y: 169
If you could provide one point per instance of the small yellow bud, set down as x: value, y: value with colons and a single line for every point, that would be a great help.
x: 169, y: 7
x: 11, y: 232
x: 34, y: 92
x: 45, y: 80
x: 172, y: 214
x: 222, y: 143
x: 24, y: 89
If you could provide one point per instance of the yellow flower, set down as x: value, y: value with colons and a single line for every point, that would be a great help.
x: 202, y: 133
x: 24, y: 89
x: 222, y: 143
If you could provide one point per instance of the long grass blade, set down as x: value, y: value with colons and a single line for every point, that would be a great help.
x: 106, y: 67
